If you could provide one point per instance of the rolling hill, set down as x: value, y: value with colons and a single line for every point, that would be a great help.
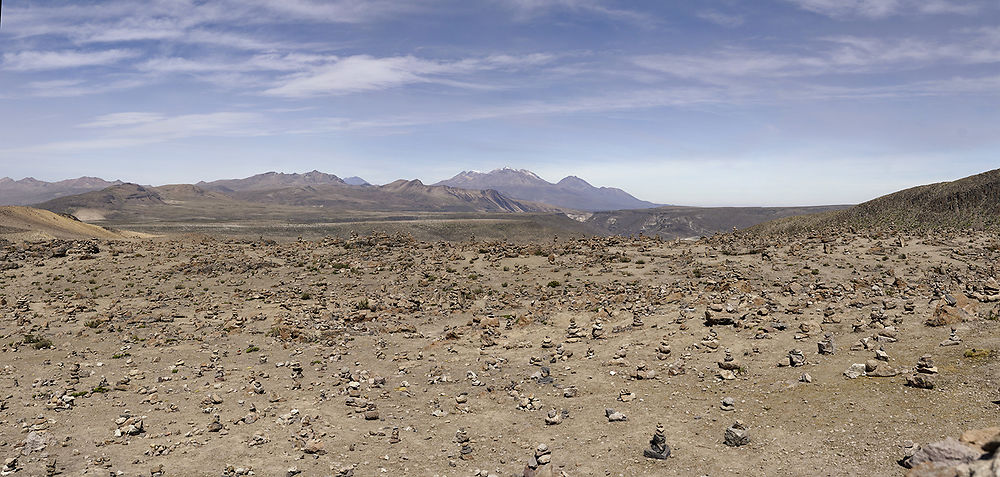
x: 26, y: 223
x: 970, y: 202
x: 692, y: 222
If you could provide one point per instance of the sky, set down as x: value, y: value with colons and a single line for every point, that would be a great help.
x: 709, y: 102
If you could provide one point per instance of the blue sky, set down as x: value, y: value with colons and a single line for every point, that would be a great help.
x: 714, y: 102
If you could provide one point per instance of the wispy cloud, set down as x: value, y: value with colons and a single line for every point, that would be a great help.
x: 216, y: 23
x: 123, y: 119
x: 131, y: 129
x: 79, y: 87
x: 609, y: 101
x: 720, y: 18
x: 526, y: 9
x: 339, y: 11
x: 831, y: 56
x: 884, y: 8
x: 53, y: 60
x: 366, y: 73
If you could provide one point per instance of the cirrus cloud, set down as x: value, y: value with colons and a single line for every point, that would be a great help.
x: 54, y: 60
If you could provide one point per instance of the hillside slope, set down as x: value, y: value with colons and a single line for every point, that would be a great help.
x: 691, y: 222
x: 26, y: 223
x: 970, y: 202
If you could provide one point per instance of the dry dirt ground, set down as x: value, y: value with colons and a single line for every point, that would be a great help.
x: 188, y: 356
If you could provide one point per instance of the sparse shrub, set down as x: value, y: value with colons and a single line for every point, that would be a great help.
x: 37, y: 342
x: 553, y: 284
x: 252, y: 349
x: 977, y: 353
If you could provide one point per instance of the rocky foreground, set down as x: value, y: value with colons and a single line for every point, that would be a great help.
x: 844, y: 354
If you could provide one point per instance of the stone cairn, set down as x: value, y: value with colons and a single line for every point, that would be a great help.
x: 953, y: 339
x: 573, y: 332
x: 464, y: 443
x: 541, y: 464
x: 597, y: 330
x: 796, y: 358
x: 658, y: 448
x: 921, y: 378
x: 637, y: 322
x: 826, y: 345
x: 663, y: 350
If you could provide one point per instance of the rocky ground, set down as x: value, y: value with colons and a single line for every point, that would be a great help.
x: 845, y: 354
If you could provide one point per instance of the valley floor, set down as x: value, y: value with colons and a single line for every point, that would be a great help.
x: 380, y: 355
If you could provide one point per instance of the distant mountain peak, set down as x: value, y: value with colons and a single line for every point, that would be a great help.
x: 574, y: 181
x: 511, y: 170
x: 571, y: 192
x: 357, y: 181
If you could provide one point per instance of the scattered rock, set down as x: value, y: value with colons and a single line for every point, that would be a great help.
x: 736, y: 435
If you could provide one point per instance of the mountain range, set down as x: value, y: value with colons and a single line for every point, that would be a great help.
x: 518, y: 185
x: 571, y: 192
x: 32, y: 191
x: 272, y: 180
x: 315, y: 197
x: 280, y: 195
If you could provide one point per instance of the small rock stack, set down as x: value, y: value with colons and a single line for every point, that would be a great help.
x: 796, y: 358
x: 953, y: 339
x: 663, y: 350
x: 921, y: 378
x: 464, y: 443
x: 826, y: 345
x: 597, y: 330
x: 541, y: 464
x: 658, y: 448
x: 573, y: 332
